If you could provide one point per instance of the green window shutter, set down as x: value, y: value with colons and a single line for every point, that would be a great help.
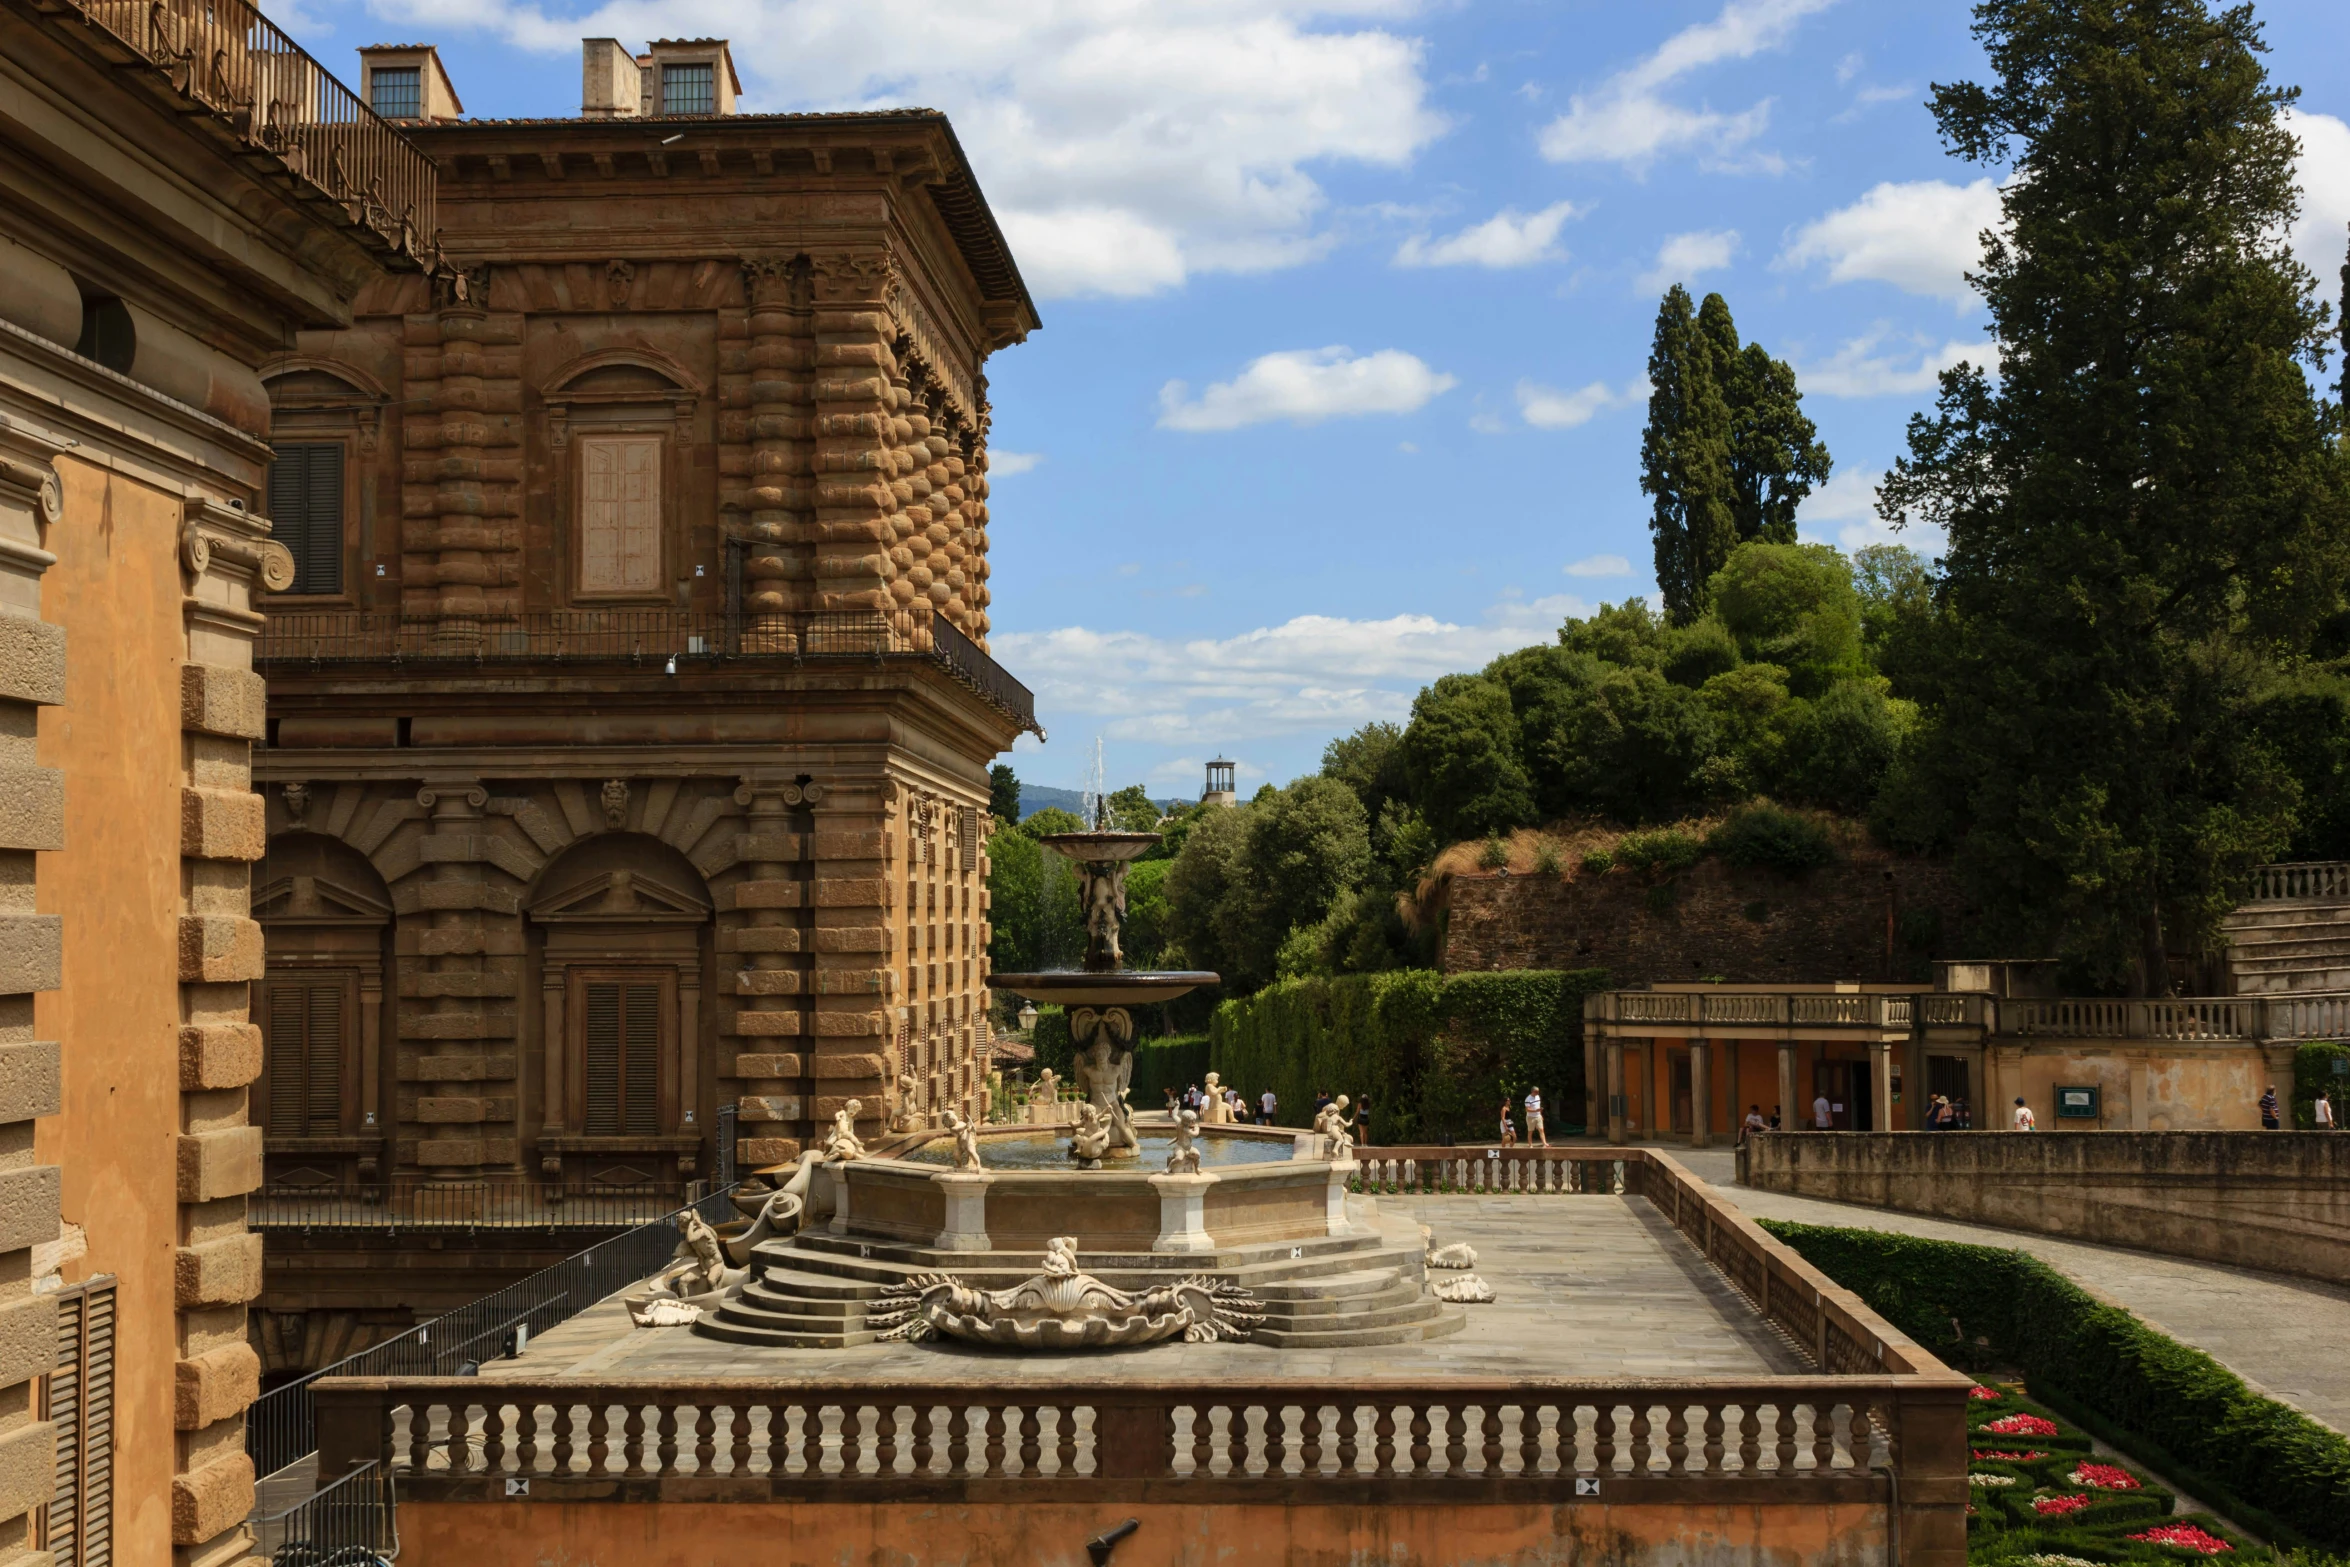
x: 306, y: 512
x: 603, y: 1060
x: 644, y: 1059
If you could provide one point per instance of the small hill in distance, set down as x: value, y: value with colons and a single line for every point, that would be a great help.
x: 1041, y: 797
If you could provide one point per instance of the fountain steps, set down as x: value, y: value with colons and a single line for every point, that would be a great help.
x: 811, y: 1292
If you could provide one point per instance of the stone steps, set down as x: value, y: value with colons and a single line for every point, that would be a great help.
x: 2287, y: 948
x: 1429, y: 1318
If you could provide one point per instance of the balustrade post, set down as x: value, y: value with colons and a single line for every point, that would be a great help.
x: 353, y: 1425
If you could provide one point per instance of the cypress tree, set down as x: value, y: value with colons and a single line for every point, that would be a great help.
x: 1728, y: 454
x: 2145, y: 511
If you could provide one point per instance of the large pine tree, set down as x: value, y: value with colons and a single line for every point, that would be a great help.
x: 2145, y: 508
x: 1728, y: 454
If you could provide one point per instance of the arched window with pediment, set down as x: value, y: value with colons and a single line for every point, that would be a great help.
x: 617, y: 421
x: 620, y: 927
x: 326, y: 918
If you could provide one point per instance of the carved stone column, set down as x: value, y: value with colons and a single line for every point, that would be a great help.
x: 1701, y: 1095
x: 1615, y: 1090
x: 781, y: 357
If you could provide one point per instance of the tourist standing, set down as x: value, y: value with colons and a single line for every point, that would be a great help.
x: 1509, y: 1132
x: 1321, y: 1102
x: 1754, y: 1123
x: 1191, y: 1097
x: 1267, y: 1107
x: 2322, y: 1112
x: 1823, y: 1114
x: 2268, y: 1109
x: 1362, y: 1114
x: 1173, y: 1104
x: 2025, y: 1121
x: 1966, y: 1115
x: 1534, y: 1128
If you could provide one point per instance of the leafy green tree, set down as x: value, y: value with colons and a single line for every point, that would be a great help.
x: 1033, y: 914
x: 1371, y: 763
x: 1003, y: 792
x: 1728, y: 454
x: 1685, y: 458
x: 2146, y: 509
x: 1249, y: 877
x: 1461, y: 756
x: 1897, y: 610
x: 1201, y: 881
x: 1131, y: 810
x: 1793, y: 605
x: 1053, y: 819
x: 1837, y: 750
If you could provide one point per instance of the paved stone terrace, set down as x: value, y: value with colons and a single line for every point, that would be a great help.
x: 1586, y: 1286
x: 2284, y: 1335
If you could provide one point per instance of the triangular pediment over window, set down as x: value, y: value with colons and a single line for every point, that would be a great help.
x: 317, y: 899
x: 620, y: 895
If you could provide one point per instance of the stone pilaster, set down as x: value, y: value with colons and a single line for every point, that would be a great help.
x: 762, y: 945
x: 853, y: 894
x: 420, y: 443
x: 859, y: 468
x: 464, y: 562
x: 32, y: 818
x: 229, y: 561
x: 780, y: 495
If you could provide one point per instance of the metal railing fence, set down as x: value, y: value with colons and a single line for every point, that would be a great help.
x: 352, y: 1522
x: 281, y: 1427
x: 416, y: 1203
x: 273, y: 95
x: 639, y: 637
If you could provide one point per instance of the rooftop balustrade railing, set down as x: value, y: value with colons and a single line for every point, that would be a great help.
x: 268, y: 91
x: 647, y: 639
x: 281, y: 1426
x: 422, y: 1204
x: 2214, y: 1020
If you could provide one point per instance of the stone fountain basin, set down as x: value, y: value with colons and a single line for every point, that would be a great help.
x: 1099, y: 846
x: 1077, y: 988
x: 1136, y: 1208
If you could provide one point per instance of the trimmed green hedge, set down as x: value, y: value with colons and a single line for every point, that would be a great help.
x: 1434, y: 1052
x: 2313, y: 1069
x: 2171, y: 1407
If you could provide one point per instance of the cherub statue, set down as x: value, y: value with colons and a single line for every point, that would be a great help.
x: 1213, y: 1108
x: 1332, y: 1124
x: 1047, y: 1089
x: 902, y: 1119
x: 966, y: 1140
x: 1183, y: 1158
x: 697, y: 1276
x: 1091, y: 1138
x: 842, y: 1142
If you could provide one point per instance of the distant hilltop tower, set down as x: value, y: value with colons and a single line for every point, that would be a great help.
x: 1219, y: 790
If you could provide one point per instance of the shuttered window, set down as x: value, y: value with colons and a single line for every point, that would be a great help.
x: 623, y: 1048
x: 78, y: 1397
x: 306, y: 511
x: 620, y: 514
x: 304, y: 1018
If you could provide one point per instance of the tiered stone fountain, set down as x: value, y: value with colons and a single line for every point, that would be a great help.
x: 1245, y: 1229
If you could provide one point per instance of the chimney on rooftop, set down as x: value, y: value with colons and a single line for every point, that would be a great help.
x: 611, y: 83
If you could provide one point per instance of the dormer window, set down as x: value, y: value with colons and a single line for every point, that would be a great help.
x: 689, y: 89
x: 396, y: 92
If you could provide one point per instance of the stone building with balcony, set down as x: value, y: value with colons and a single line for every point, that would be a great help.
x: 630, y: 710
x: 182, y: 189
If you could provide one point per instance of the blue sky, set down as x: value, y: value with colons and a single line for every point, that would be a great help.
x: 1347, y: 304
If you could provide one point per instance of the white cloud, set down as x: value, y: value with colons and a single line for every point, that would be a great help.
x: 1124, y: 146
x: 1002, y: 464
x: 1922, y: 237
x: 1843, y: 512
x: 1685, y: 258
x: 1600, y: 566
x: 2318, y: 237
x: 1629, y: 121
x: 1883, y: 364
x: 1507, y: 239
x: 1312, y: 676
x: 1304, y: 386
x: 1548, y: 408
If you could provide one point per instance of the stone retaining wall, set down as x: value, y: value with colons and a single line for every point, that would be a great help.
x: 2278, y: 1201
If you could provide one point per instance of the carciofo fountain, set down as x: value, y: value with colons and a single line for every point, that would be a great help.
x: 1098, y: 999
x: 1238, y: 1232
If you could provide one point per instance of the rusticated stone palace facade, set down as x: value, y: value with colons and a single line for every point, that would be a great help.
x: 630, y: 717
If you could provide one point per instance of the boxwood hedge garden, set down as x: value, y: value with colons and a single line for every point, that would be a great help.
x: 2169, y: 1406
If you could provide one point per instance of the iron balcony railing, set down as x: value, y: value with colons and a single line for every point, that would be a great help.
x: 281, y: 1427
x: 639, y: 638
x: 267, y: 90
x: 406, y: 1203
x: 353, y: 1522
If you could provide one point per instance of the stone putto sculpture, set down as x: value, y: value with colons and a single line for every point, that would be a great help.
x: 1331, y: 1123
x: 1091, y: 1138
x: 1213, y: 1110
x: 842, y: 1142
x: 1064, y: 1308
x: 1047, y: 1090
x: 902, y: 1118
x: 966, y: 1140
x: 1183, y: 1157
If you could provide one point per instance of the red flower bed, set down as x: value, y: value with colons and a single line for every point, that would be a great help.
x: 2186, y: 1537
x: 2105, y: 1477
x: 2058, y: 1506
x: 2021, y: 1425
x: 1989, y: 1395
x: 2023, y: 1458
